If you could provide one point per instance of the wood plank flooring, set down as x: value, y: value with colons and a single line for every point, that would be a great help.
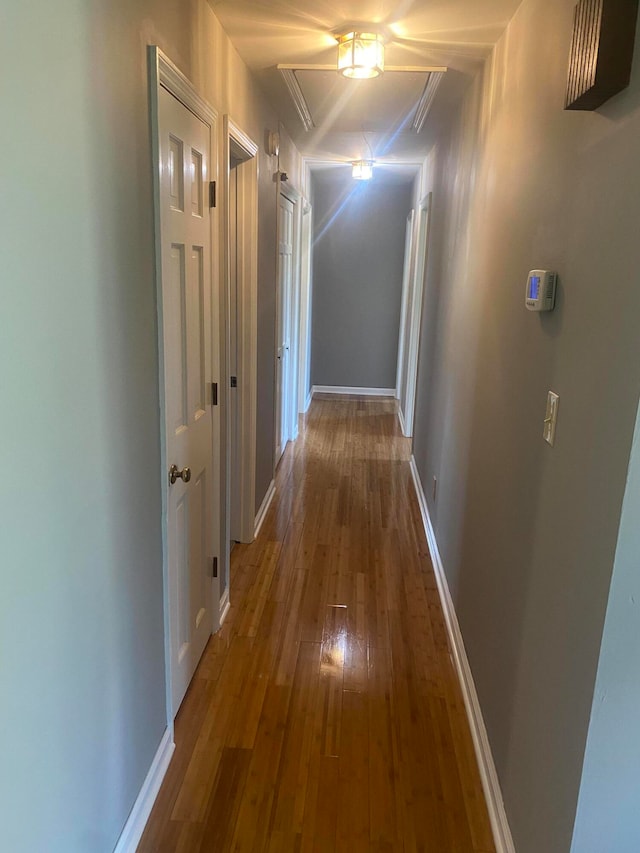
x: 326, y: 715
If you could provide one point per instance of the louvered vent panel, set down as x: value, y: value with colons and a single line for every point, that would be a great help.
x: 601, y: 51
x: 584, y: 48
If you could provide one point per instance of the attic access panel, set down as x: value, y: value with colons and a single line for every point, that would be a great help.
x: 350, y: 105
x: 601, y: 51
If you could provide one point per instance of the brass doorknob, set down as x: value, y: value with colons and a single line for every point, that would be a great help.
x: 175, y: 474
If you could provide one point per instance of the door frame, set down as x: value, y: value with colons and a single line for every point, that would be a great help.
x: 306, y: 266
x: 290, y: 416
x: 163, y: 73
x: 421, y: 243
x: 243, y: 148
x: 407, y: 281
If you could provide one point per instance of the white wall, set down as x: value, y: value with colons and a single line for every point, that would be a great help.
x: 81, y: 626
x: 608, y: 817
x: 528, y: 533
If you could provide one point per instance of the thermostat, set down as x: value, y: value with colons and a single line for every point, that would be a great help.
x: 541, y: 290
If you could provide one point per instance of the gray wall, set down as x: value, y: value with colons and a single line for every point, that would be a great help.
x: 81, y: 625
x: 528, y: 532
x: 359, y: 232
x: 608, y: 816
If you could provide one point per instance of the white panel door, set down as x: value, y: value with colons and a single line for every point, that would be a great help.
x: 283, y: 323
x: 186, y: 320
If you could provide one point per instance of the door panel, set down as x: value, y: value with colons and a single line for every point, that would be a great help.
x: 175, y: 330
x: 181, y: 546
x: 196, y: 334
x: 187, y: 350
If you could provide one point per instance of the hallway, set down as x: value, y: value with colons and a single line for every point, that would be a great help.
x: 326, y: 715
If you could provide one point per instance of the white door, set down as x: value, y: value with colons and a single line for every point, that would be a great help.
x: 283, y: 322
x: 186, y: 321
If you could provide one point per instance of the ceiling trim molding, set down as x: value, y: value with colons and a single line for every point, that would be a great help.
x: 426, y: 100
x: 299, y: 100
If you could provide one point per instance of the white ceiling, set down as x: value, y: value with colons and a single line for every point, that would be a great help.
x: 352, y: 115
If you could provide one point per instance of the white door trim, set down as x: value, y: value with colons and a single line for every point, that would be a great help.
x: 285, y: 188
x: 293, y: 396
x: 406, y: 282
x: 288, y: 416
x: 415, y: 325
x: 238, y: 143
x: 162, y: 72
x: 304, y: 358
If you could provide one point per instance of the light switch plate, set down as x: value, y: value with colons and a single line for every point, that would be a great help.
x: 551, y: 417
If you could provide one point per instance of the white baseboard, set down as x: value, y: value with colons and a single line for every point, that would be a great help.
x: 401, y: 419
x: 225, y: 604
x: 490, y: 782
x: 360, y: 392
x: 307, y: 402
x: 264, y: 507
x: 137, y: 820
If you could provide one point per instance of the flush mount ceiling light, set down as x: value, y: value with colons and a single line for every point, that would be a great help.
x: 360, y: 55
x: 362, y: 170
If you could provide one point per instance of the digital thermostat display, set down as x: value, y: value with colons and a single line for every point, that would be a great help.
x: 541, y: 290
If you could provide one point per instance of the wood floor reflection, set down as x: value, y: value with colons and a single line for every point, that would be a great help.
x: 326, y: 715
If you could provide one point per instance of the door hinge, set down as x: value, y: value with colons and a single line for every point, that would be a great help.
x: 212, y: 193
x: 214, y: 393
x: 215, y: 567
x: 234, y: 381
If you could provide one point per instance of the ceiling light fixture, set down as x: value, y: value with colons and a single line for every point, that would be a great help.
x: 362, y: 170
x: 360, y: 55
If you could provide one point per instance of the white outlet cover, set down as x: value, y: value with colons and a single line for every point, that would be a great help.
x: 551, y: 418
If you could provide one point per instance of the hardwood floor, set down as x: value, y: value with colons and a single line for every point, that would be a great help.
x: 326, y: 714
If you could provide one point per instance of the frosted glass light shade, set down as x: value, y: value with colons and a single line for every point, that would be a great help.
x: 362, y: 170
x: 360, y: 55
